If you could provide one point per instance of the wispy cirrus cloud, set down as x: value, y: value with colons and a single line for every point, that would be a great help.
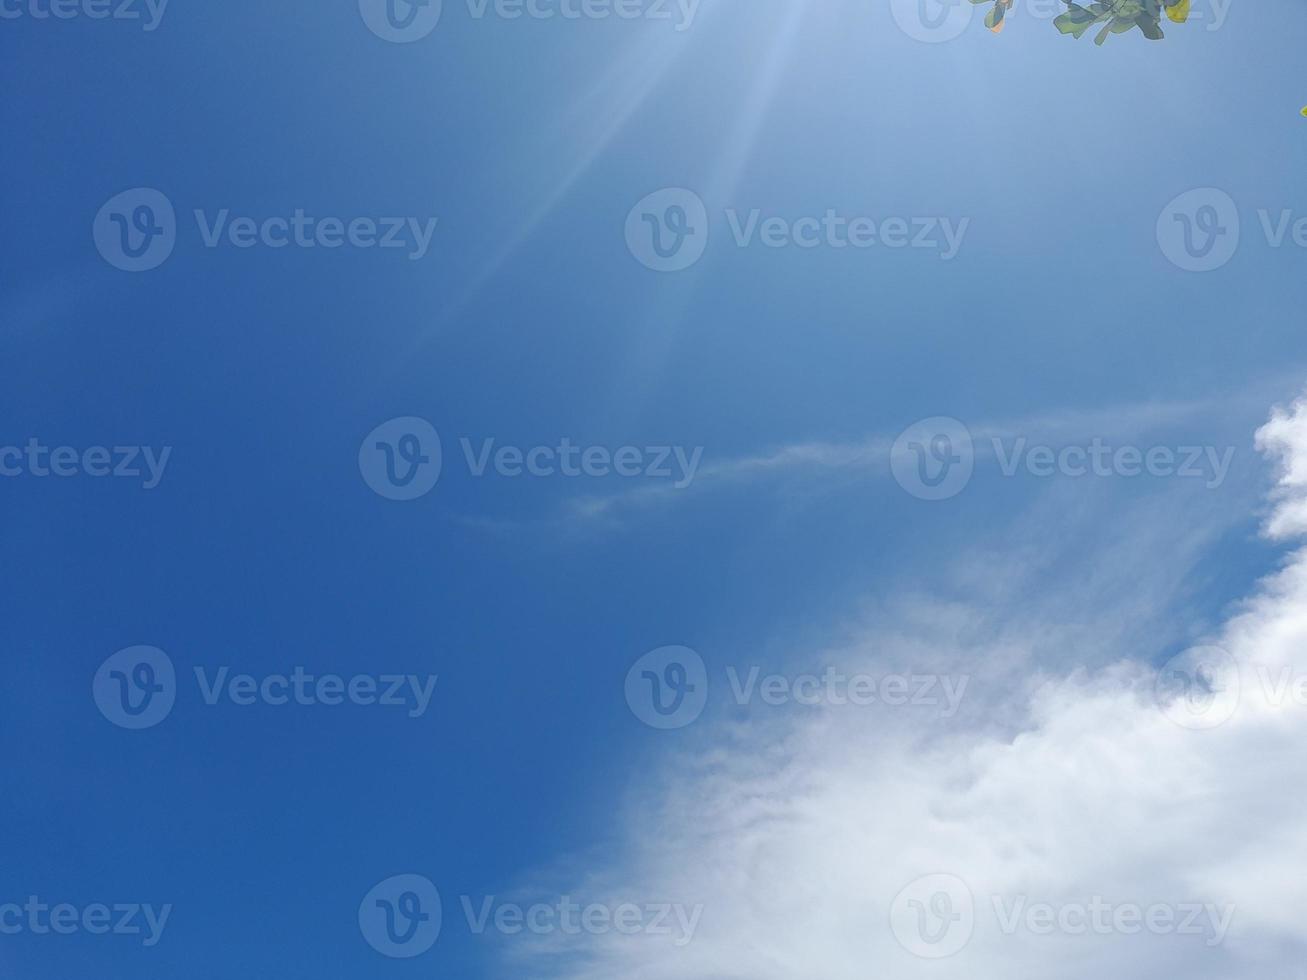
x: 871, y: 454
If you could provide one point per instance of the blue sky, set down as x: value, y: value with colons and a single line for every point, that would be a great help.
x: 527, y: 321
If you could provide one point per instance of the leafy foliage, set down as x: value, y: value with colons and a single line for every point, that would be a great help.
x: 994, y: 19
x: 1109, y: 16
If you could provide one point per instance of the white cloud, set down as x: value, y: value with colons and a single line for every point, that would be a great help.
x: 797, y: 832
x: 1284, y: 437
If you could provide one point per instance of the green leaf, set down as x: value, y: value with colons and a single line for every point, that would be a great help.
x: 1152, y: 29
x: 1077, y: 20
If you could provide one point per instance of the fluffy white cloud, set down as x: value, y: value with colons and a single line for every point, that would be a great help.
x: 1089, y: 793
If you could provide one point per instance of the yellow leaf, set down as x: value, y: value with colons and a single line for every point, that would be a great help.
x: 1179, y: 13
